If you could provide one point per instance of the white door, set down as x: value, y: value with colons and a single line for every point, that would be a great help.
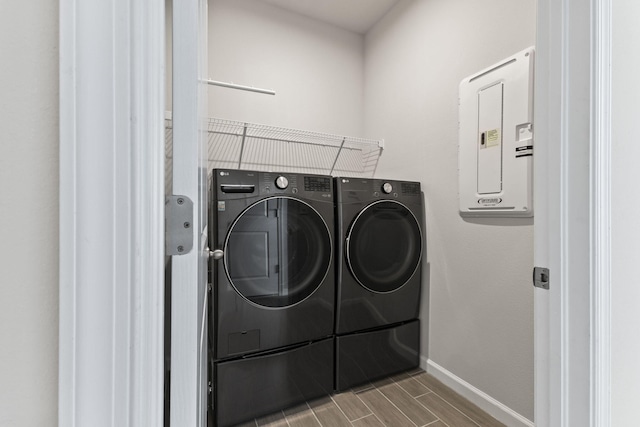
x: 189, y: 270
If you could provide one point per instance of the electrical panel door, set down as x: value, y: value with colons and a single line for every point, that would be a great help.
x: 490, y: 140
x: 495, y: 151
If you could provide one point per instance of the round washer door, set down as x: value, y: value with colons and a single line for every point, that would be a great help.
x: 384, y: 246
x: 277, y: 252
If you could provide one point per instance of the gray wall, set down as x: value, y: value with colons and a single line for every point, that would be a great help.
x: 316, y: 69
x: 479, y: 271
x: 29, y: 213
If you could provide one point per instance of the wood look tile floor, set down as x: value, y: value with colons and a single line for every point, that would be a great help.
x: 412, y: 399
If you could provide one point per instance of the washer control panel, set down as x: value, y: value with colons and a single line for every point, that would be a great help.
x: 230, y: 184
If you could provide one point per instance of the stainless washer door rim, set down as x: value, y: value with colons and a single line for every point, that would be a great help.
x: 349, y: 240
x: 329, y: 240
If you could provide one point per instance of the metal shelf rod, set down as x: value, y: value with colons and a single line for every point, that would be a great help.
x: 244, y: 135
x: 337, y: 155
x: 240, y: 87
x: 264, y: 138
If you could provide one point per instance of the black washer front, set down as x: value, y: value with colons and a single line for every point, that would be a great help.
x: 275, y: 284
x: 278, y: 252
x: 384, y: 246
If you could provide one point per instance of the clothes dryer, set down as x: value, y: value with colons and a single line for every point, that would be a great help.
x: 379, y: 258
x: 273, y: 291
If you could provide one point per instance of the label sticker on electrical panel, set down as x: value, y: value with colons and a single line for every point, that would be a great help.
x: 493, y: 137
x: 524, y: 151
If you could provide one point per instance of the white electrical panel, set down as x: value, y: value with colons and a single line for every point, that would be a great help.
x: 495, y: 152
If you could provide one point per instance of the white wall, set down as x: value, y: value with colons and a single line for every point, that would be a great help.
x: 625, y: 205
x: 29, y: 213
x: 316, y: 69
x: 479, y: 271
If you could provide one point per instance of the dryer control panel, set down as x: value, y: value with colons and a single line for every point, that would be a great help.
x: 359, y: 189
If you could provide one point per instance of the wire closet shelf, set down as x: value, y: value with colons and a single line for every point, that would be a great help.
x: 241, y: 145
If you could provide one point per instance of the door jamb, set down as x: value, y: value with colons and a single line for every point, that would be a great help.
x: 572, y: 225
x: 111, y: 326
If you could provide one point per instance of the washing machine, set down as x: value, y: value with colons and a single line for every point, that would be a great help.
x: 273, y: 291
x: 379, y: 263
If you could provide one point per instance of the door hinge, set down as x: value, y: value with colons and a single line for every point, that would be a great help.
x: 178, y: 233
x: 541, y: 277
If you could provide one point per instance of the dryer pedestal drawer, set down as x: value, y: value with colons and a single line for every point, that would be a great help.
x: 366, y: 356
x: 254, y: 386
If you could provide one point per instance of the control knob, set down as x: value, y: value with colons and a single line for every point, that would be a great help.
x: 282, y: 182
x: 387, y: 188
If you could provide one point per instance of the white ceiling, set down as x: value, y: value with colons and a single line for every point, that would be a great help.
x: 354, y: 15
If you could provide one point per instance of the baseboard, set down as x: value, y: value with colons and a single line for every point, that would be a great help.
x: 485, y: 402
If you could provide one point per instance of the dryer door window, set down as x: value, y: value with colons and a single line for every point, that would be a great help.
x: 384, y: 246
x: 277, y: 252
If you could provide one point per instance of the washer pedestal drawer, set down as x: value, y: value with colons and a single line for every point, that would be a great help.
x: 366, y: 356
x: 262, y: 384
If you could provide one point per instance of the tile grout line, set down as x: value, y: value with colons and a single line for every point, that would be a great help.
x: 423, y: 394
x: 285, y: 418
x: 433, y: 422
x: 372, y: 413
x: 411, y: 378
x: 446, y: 401
x: 358, y: 419
x: 343, y: 413
x: 255, y: 420
x: 409, y: 394
x: 314, y: 414
x: 381, y: 422
x: 406, y: 416
x: 454, y: 407
x: 367, y: 416
x: 427, y: 409
x: 362, y: 390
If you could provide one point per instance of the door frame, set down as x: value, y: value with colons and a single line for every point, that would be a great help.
x: 189, y: 345
x: 113, y: 51
x: 572, y: 182
x: 111, y: 325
